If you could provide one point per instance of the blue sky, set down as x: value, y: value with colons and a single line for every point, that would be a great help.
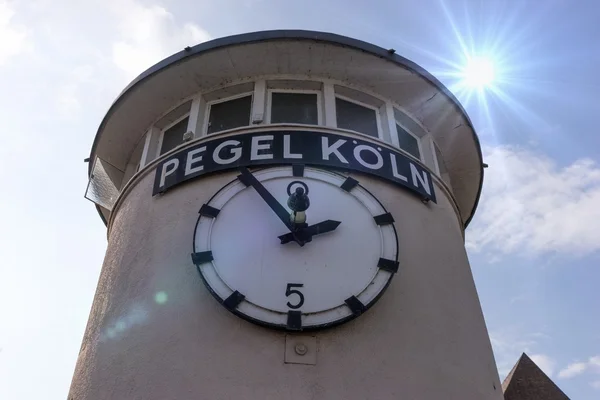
x: 535, y: 240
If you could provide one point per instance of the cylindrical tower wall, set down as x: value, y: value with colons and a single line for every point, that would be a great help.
x: 156, y: 332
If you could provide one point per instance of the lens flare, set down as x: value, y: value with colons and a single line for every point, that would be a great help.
x: 161, y: 297
x: 492, y: 64
x: 479, y: 72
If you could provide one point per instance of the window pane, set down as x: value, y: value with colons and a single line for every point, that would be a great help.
x: 408, y: 142
x: 297, y: 108
x: 173, y: 136
x: 356, y: 117
x: 230, y: 114
x: 103, y: 185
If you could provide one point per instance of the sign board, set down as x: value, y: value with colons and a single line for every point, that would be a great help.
x: 293, y: 147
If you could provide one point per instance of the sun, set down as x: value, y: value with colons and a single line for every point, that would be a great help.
x: 479, y: 73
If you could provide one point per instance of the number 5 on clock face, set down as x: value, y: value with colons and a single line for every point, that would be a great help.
x: 295, y: 277
x: 290, y: 291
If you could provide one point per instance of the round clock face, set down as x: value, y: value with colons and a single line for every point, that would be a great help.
x: 263, y: 264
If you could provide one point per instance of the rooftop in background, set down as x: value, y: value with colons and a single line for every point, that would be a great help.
x: 526, y: 381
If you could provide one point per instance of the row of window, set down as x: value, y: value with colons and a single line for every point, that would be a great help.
x: 290, y: 107
x: 233, y: 107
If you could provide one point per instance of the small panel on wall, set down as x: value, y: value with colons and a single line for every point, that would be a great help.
x: 293, y: 147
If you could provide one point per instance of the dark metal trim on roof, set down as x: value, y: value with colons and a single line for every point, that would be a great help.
x: 261, y: 36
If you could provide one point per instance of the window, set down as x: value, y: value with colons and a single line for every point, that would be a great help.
x: 173, y: 136
x: 356, y: 117
x: 408, y: 142
x: 229, y: 114
x: 296, y: 108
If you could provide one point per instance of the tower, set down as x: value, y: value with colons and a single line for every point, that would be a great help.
x: 285, y: 214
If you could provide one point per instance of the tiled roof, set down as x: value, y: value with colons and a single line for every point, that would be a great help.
x: 526, y: 381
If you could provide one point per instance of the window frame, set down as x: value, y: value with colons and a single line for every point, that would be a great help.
x: 366, y: 105
x: 209, y: 105
x: 396, y: 140
x: 301, y: 91
x: 166, y: 128
x: 436, y: 161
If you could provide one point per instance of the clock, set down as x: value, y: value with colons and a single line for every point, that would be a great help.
x: 295, y: 247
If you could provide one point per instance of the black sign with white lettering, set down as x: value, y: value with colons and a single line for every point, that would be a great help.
x: 292, y: 147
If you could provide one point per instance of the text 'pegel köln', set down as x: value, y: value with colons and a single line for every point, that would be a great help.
x: 326, y: 150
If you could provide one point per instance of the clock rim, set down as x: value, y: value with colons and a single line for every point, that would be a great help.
x: 285, y: 328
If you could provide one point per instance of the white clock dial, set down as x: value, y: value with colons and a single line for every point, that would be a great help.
x: 328, y: 280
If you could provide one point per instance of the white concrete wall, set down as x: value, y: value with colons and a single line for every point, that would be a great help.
x: 425, y: 339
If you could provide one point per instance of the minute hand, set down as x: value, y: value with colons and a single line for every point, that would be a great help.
x: 307, y: 233
x: 248, y: 179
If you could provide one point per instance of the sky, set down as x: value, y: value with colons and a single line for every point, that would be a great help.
x: 534, y: 243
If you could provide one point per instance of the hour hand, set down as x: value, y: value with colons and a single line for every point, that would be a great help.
x: 307, y: 233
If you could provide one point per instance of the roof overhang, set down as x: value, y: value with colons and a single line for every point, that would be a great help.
x: 221, y: 62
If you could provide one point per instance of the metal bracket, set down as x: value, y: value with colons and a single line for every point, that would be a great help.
x: 300, y: 349
x: 189, y: 135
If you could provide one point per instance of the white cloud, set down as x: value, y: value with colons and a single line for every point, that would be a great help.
x: 545, y: 363
x: 13, y: 37
x: 532, y: 206
x: 578, y: 368
x: 148, y: 34
x: 572, y: 370
x: 68, y: 103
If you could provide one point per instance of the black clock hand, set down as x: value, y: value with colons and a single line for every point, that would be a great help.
x: 307, y: 233
x: 248, y: 179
